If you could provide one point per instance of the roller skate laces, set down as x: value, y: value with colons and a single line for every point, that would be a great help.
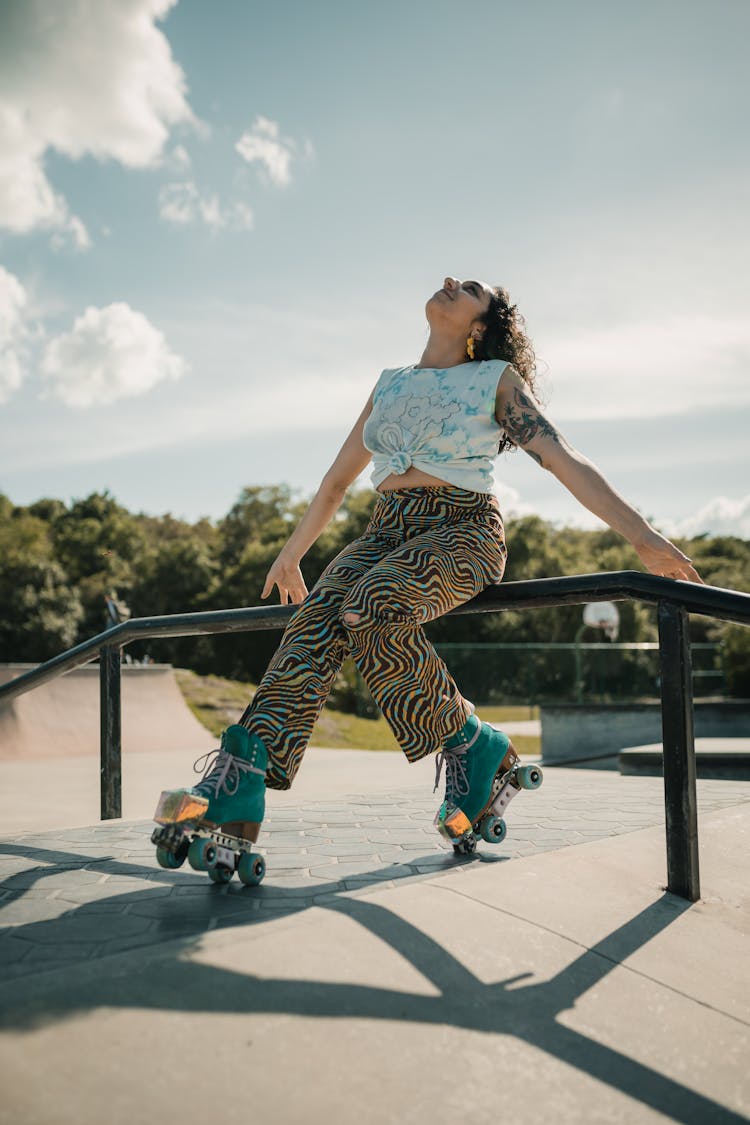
x: 222, y: 773
x: 213, y: 824
x: 231, y: 791
x: 476, y: 760
x: 450, y: 820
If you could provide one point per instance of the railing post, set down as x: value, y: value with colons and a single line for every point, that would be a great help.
x: 680, y: 797
x: 110, y: 762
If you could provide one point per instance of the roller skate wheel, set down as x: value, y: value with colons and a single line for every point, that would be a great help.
x: 529, y: 777
x: 169, y: 859
x: 493, y: 829
x: 466, y: 846
x: 220, y: 874
x: 197, y: 854
x: 251, y: 869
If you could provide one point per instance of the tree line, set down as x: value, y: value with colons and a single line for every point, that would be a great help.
x: 60, y: 562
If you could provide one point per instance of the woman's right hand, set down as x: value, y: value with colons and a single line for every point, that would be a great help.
x: 661, y: 556
x: 285, y: 574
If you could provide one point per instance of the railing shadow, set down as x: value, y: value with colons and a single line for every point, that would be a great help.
x: 152, y: 913
x: 517, y: 1007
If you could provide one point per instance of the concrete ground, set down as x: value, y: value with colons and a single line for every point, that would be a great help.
x: 374, y: 977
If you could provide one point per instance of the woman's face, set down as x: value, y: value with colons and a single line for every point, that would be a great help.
x: 458, y: 304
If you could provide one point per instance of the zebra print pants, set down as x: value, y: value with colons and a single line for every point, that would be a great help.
x: 424, y: 551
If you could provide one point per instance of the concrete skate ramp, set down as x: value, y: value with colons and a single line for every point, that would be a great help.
x: 61, y: 718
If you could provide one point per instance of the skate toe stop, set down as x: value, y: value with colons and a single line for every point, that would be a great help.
x: 451, y: 822
x: 177, y: 805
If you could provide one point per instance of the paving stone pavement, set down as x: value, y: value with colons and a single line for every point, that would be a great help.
x: 72, y: 895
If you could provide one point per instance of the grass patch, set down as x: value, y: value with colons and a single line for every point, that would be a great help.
x: 511, y: 714
x: 217, y: 703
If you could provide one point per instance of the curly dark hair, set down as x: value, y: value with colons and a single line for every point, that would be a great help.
x: 505, y: 337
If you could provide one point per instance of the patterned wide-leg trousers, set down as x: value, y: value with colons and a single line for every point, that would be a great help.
x: 424, y: 551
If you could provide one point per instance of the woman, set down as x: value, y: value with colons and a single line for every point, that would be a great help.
x: 435, y: 540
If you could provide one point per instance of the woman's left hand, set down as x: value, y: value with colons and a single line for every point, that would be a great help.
x: 662, y: 557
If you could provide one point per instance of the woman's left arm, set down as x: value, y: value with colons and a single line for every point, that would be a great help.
x: 526, y: 426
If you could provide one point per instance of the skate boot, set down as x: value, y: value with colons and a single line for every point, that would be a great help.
x: 232, y: 791
x: 211, y: 823
x: 478, y: 762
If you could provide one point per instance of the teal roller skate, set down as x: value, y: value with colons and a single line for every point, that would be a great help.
x: 482, y: 776
x: 211, y: 823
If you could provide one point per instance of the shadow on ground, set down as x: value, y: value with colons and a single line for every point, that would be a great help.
x: 159, y: 914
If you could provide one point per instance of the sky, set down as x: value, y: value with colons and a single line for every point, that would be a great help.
x: 219, y: 223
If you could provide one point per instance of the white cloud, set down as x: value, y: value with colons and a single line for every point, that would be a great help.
x: 182, y: 203
x: 263, y: 144
x: 249, y: 357
x: 91, y: 78
x: 110, y: 354
x: 511, y: 504
x: 242, y: 216
x: 180, y: 156
x: 13, y: 302
x: 720, y: 516
x: 178, y: 202
x: 73, y: 230
x: 650, y: 368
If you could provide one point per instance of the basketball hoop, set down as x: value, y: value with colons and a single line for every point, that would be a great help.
x: 604, y: 616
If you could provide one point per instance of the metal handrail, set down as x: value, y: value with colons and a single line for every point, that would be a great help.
x: 577, y: 589
x: 674, y: 600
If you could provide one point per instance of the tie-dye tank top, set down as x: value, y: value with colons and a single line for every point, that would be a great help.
x: 438, y: 419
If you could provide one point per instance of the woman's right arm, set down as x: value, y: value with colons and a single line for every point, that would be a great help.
x: 352, y: 458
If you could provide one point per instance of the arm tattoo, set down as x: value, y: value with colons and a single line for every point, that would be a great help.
x: 523, y: 422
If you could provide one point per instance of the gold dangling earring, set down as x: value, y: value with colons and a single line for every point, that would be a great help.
x: 470, y: 347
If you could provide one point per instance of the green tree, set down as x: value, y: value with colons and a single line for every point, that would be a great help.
x: 64, y: 559
x: 99, y: 545
x: 40, y: 610
x: 256, y: 529
x: 260, y: 515
x: 176, y: 576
